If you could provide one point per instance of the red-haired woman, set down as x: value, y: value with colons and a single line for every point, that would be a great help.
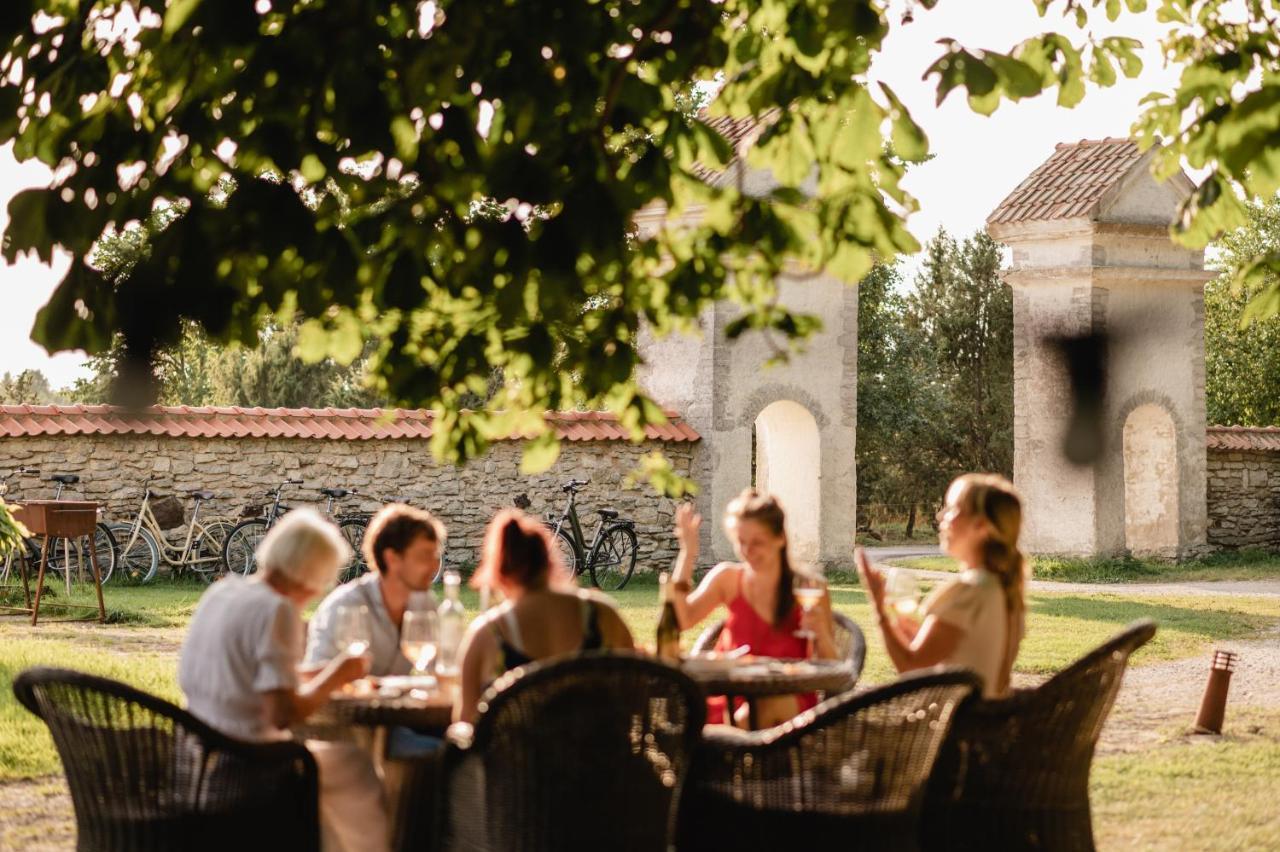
x: 543, y: 614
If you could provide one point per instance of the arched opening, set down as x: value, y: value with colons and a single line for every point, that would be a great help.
x: 788, y: 464
x: 1150, y: 482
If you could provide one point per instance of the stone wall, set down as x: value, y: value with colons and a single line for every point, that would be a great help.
x: 113, y: 467
x: 1244, y: 498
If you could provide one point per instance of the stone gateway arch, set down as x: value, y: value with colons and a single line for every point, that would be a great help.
x: 1091, y: 253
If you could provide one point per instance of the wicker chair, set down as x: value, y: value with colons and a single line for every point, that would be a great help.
x: 848, y: 774
x: 850, y: 642
x: 146, y: 775
x: 588, y: 752
x: 1014, y: 774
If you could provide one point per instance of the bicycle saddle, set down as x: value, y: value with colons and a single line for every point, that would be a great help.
x: 65, y: 478
x: 607, y: 514
x: 201, y: 495
x: 336, y: 493
x: 574, y: 485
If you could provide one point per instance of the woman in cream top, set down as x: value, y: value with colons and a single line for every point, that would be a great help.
x: 977, y: 620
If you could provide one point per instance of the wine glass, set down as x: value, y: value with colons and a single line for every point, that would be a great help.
x: 420, y: 638
x: 902, y: 592
x: 808, y: 591
x: 353, y: 629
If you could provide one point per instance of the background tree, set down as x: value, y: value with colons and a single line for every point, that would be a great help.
x: 901, y: 405
x: 325, y: 158
x: 1242, y: 365
x: 965, y: 311
x: 28, y: 386
x: 935, y: 376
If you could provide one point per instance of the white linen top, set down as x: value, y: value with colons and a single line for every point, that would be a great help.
x: 974, y: 602
x: 244, y: 640
x: 384, y: 641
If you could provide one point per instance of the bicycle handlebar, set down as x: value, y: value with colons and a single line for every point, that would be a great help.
x: 575, y: 484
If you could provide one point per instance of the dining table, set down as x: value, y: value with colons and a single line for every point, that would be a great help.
x: 759, y: 677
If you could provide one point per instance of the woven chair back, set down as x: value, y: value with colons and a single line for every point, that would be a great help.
x: 1015, y: 772
x: 588, y: 752
x: 851, y: 771
x: 146, y: 775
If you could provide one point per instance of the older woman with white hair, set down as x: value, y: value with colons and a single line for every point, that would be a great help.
x: 239, y: 669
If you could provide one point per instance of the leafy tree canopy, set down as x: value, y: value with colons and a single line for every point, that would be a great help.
x: 332, y: 160
x: 1242, y: 365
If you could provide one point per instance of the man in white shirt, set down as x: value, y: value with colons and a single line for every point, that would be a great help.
x: 402, y: 546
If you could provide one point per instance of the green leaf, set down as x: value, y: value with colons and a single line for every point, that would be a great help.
x: 540, y: 453
x: 177, y: 15
x: 405, y: 136
x: 313, y: 171
x: 909, y: 140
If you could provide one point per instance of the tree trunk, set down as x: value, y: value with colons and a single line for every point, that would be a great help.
x: 911, y: 521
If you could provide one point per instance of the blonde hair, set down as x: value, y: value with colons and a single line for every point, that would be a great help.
x: 994, y: 499
x: 305, y: 548
x: 764, y: 509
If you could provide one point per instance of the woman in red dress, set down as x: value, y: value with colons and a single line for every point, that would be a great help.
x: 758, y: 593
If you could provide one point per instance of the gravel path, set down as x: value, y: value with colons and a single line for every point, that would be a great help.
x: 1161, y: 696
x: 882, y: 556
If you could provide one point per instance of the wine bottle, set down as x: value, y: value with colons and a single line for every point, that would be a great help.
x: 668, y: 639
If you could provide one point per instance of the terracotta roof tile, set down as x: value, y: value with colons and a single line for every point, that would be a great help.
x: 740, y: 133
x: 1255, y: 438
x: 326, y: 424
x: 1071, y: 183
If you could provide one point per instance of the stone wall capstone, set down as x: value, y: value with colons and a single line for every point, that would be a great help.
x: 113, y: 468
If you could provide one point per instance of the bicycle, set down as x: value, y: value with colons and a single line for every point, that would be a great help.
x: 238, y: 551
x: 145, y: 543
x: 610, y: 558
x: 60, y: 558
x: 352, y: 525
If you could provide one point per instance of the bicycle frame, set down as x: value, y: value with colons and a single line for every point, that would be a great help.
x: 580, y: 546
x: 147, y: 517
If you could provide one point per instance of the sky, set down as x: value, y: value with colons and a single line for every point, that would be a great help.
x: 978, y: 159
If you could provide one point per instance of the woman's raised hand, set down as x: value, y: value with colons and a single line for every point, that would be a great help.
x: 871, y: 578
x: 688, y: 522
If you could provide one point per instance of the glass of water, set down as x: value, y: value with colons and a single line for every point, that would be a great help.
x: 353, y: 629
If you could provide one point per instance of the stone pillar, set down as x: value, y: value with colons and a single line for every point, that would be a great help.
x: 1106, y: 265
x: 722, y: 387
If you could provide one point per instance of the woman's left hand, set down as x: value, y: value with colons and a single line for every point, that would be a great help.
x: 871, y: 578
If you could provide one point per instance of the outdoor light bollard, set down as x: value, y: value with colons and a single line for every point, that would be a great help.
x: 1214, y: 704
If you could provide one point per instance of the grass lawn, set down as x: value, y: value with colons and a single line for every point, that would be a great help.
x: 1186, y: 792
x: 1227, y: 565
x: 1190, y: 792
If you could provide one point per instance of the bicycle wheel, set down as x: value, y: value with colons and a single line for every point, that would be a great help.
x: 104, y: 547
x: 353, y: 531
x: 137, y: 556
x: 238, y: 553
x: 207, y: 549
x: 67, y: 553
x: 568, y: 553
x: 613, y: 558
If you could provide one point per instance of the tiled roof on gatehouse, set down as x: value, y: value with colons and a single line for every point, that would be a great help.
x: 740, y: 133
x: 1244, y: 438
x: 358, y: 424
x: 1070, y: 184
